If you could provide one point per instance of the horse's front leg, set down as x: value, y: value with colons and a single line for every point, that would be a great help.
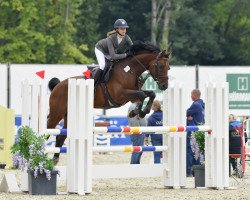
x: 134, y: 95
x: 136, y: 111
x: 147, y: 108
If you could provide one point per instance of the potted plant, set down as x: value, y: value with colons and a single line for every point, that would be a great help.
x: 29, y: 154
x: 198, y: 147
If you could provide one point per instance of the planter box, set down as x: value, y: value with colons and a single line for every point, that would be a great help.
x: 199, y: 175
x: 41, y: 185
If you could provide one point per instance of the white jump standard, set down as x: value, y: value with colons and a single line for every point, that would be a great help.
x: 173, y: 168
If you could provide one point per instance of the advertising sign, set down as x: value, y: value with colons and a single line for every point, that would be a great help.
x: 239, y: 91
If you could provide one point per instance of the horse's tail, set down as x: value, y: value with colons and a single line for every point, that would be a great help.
x: 52, y: 83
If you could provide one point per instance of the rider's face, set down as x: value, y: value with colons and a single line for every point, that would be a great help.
x: 121, y: 31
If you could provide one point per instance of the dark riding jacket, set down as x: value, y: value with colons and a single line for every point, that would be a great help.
x: 156, y: 120
x: 110, y: 48
x: 196, y: 110
x: 235, y: 138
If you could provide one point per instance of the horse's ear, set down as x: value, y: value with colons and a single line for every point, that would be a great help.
x: 162, y: 53
x: 168, y: 54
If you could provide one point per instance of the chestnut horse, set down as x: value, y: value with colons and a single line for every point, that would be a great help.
x: 124, y: 85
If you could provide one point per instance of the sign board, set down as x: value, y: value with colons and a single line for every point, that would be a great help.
x: 239, y: 83
x: 239, y: 91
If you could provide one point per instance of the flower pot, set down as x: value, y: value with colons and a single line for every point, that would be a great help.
x: 199, y: 175
x: 41, y: 185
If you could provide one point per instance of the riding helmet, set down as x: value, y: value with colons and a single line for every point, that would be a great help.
x: 120, y: 23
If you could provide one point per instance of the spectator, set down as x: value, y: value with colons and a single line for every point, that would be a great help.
x: 156, y: 120
x: 235, y: 126
x: 195, y: 116
x: 137, y: 140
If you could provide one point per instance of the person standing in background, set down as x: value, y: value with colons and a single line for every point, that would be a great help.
x: 137, y: 140
x: 235, y: 139
x: 156, y: 120
x: 195, y: 116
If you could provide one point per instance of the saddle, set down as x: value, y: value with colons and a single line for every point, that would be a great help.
x: 103, y: 79
x: 106, y: 74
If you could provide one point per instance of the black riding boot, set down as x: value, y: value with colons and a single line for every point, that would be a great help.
x: 98, y: 74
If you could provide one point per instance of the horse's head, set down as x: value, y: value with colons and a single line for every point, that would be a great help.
x: 151, y: 58
x: 159, y: 69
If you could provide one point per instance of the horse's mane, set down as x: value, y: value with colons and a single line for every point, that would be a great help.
x: 139, y: 46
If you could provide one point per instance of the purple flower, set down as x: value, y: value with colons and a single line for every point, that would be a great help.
x: 20, y: 161
x: 16, y: 158
x: 31, y: 147
x: 41, y: 168
x: 195, y: 147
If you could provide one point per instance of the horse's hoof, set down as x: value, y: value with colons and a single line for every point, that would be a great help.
x: 55, y: 160
x: 142, y: 114
x: 132, y: 114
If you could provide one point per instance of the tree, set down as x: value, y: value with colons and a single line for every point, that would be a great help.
x: 137, y: 16
x: 20, y: 41
x: 160, y: 21
x: 60, y: 26
x: 207, y: 33
x: 233, y: 27
x: 87, y: 23
x: 38, y: 31
x: 188, y: 31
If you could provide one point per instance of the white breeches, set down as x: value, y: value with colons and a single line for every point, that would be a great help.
x: 100, y: 58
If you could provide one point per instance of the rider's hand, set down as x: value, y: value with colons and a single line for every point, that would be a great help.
x: 129, y: 54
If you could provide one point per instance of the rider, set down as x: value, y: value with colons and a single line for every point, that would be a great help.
x: 113, y: 47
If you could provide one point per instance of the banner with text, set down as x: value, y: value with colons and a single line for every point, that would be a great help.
x: 239, y: 91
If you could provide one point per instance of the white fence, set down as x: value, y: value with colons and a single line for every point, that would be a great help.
x: 173, y: 167
x: 80, y: 138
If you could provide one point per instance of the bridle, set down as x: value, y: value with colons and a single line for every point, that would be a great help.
x: 157, y: 66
